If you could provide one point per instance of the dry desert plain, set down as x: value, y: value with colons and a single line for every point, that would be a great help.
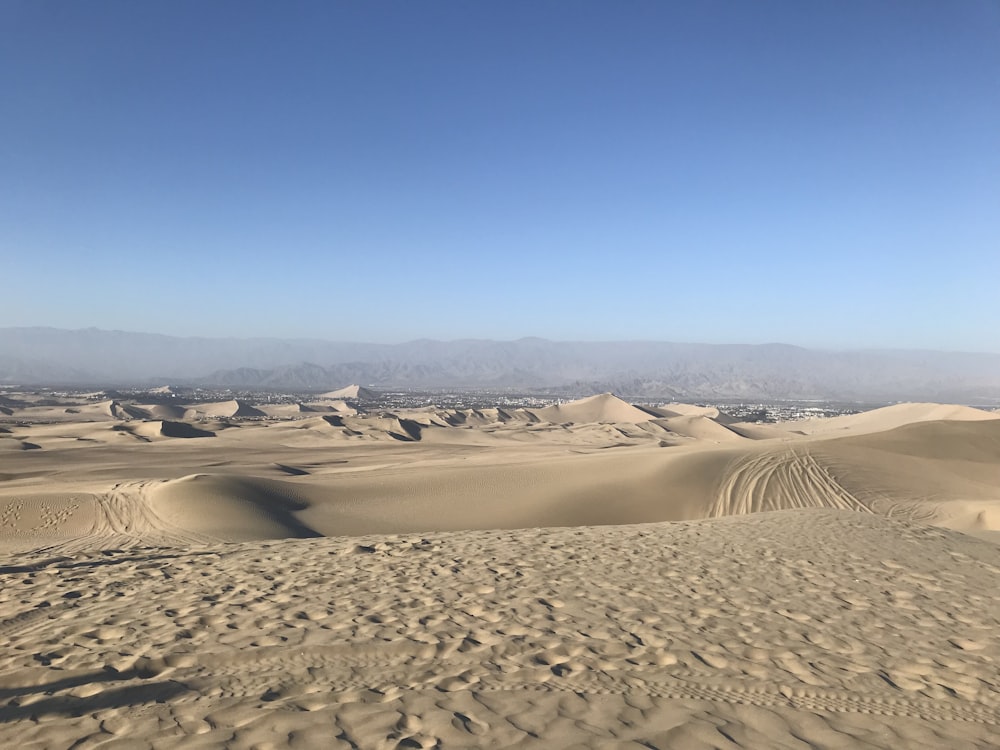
x: 591, y: 574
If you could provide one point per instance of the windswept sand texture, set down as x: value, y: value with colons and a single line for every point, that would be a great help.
x: 252, y: 576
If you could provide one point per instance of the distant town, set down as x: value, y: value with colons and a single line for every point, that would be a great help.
x: 376, y: 401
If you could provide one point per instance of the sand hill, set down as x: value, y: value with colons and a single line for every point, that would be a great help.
x: 603, y: 408
x: 351, y: 392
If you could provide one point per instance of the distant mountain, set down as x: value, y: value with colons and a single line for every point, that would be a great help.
x: 636, y: 369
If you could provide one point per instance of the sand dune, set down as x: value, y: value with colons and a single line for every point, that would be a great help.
x: 234, y: 408
x: 109, y: 408
x: 691, y: 410
x: 354, y: 392
x: 13, y: 444
x: 71, y: 411
x: 590, y: 574
x: 166, y: 428
x: 164, y: 411
x: 127, y: 411
x: 605, y: 407
x: 297, y: 409
x: 288, y: 410
x: 700, y: 427
x: 230, y: 508
x: 478, y: 417
x: 889, y: 417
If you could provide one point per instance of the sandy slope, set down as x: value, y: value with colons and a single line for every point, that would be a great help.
x: 889, y: 417
x: 167, y: 581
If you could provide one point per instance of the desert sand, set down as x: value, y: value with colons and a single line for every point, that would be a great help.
x: 590, y: 574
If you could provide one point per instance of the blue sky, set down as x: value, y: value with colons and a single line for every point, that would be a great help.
x: 823, y: 173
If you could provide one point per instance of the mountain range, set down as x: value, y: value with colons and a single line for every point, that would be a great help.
x: 646, y: 369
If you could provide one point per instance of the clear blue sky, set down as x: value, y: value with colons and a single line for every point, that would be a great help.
x: 816, y: 173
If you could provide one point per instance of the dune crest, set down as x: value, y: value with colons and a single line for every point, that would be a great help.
x: 605, y: 407
x: 231, y: 508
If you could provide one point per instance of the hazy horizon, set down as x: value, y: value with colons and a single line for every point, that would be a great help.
x: 818, y: 175
x: 512, y: 339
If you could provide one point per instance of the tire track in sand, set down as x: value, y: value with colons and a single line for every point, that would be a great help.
x: 124, y: 518
x: 780, y: 480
